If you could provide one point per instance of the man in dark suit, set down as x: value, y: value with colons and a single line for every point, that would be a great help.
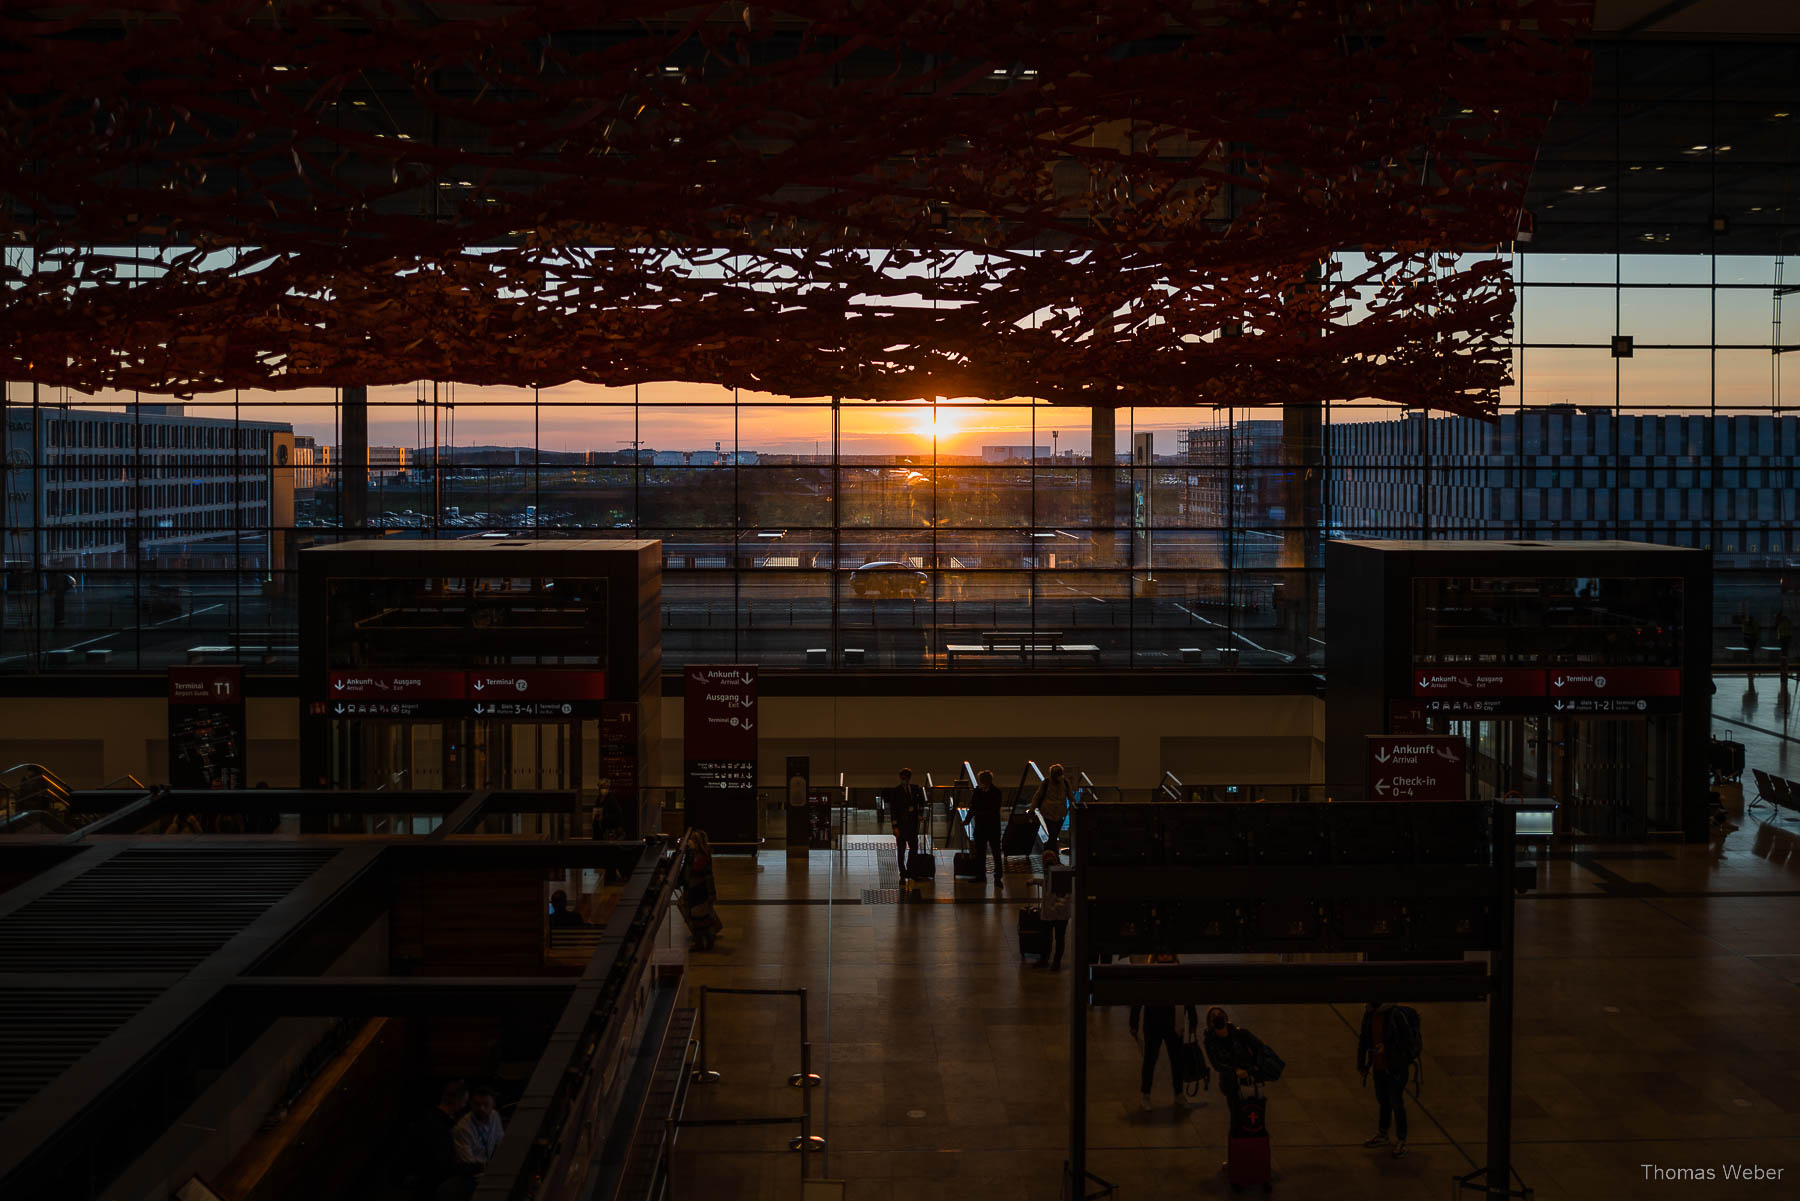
x: 906, y: 806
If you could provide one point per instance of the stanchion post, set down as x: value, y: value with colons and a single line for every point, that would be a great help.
x: 807, y: 1141
x: 701, y: 1075
x: 805, y: 1076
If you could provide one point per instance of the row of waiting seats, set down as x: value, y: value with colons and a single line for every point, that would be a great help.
x: 1776, y: 792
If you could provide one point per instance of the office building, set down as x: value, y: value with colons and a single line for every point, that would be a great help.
x: 108, y: 489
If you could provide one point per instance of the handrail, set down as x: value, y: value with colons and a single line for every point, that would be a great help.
x: 1162, y: 786
x: 127, y: 779
x: 969, y: 772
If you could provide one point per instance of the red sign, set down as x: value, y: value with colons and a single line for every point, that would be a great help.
x: 1615, y: 681
x: 1477, y: 681
x: 1417, y: 767
x: 415, y: 685
x: 1406, y: 717
x: 719, y: 733
x: 206, y: 685
x: 719, y: 713
x: 536, y: 684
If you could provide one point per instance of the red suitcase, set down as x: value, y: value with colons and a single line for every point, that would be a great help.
x: 1247, y: 1148
x: 1247, y: 1161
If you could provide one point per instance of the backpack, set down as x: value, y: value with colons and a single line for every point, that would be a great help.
x: 1400, y: 1032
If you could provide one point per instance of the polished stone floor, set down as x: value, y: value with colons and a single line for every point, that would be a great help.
x: 1659, y: 1024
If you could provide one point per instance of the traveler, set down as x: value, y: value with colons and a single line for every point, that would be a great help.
x: 1051, y: 802
x: 1235, y: 1053
x: 477, y: 1135
x: 431, y: 1153
x: 1053, y: 908
x: 906, y: 806
x: 1386, y: 1050
x: 699, y: 892
x: 1784, y: 633
x: 561, y: 916
x: 1159, y: 1032
x: 984, y: 808
x: 1752, y: 630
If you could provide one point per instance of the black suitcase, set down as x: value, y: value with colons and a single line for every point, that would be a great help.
x: 1734, y: 759
x: 1034, y: 934
x: 921, y: 865
x: 964, y: 866
x: 1021, y: 834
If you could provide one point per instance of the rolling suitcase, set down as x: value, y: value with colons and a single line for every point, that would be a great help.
x: 921, y: 865
x: 1020, y: 834
x: 1034, y: 934
x: 1247, y: 1148
x: 964, y: 866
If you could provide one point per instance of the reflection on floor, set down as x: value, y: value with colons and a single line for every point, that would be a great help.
x: 1759, y: 713
x: 1656, y: 1027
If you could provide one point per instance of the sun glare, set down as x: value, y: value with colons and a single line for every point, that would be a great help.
x: 936, y: 423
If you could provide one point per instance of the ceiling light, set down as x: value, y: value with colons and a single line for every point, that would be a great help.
x: 360, y: 103
x: 1637, y: 168
x: 1578, y: 188
x: 1029, y: 72
x: 1599, y: 187
x: 1778, y: 114
x: 1701, y: 146
x: 1723, y: 149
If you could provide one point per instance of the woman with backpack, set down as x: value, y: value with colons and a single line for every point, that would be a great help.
x: 1386, y: 1049
x: 1239, y: 1056
x: 699, y: 894
x: 1051, y: 802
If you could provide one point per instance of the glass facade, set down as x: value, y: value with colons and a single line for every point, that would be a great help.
x: 1649, y: 404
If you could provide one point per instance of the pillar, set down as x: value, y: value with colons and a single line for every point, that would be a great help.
x: 353, y: 466
x: 1103, y: 488
x: 1303, y: 460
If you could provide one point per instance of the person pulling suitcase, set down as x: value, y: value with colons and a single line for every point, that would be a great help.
x: 1244, y: 1062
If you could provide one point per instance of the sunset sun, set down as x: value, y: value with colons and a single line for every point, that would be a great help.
x: 938, y: 424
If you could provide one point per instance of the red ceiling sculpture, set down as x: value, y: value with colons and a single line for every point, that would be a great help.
x: 1152, y: 202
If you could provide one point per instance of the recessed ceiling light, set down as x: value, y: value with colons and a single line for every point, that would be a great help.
x: 1702, y: 146
x: 1637, y: 168
x: 1599, y: 187
x: 1778, y: 114
x: 1723, y: 149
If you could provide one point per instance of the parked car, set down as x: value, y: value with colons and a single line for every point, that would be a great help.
x: 889, y: 579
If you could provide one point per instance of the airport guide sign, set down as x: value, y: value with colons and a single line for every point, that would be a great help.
x: 1417, y: 767
x: 487, y: 692
x: 1503, y: 691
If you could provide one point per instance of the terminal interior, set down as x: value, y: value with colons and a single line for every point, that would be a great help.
x: 529, y: 690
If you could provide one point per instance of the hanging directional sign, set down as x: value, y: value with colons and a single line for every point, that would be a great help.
x: 1615, y: 690
x: 1418, y: 767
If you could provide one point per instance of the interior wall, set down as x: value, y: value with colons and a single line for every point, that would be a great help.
x: 1126, y: 741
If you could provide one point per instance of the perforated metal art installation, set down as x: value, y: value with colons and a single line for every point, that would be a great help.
x: 1135, y: 203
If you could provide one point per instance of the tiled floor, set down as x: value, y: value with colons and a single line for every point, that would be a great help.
x: 1657, y: 1011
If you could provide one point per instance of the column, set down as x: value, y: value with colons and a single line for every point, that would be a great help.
x: 353, y: 467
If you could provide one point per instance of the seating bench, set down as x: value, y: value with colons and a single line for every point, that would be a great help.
x: 1022, y: 643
